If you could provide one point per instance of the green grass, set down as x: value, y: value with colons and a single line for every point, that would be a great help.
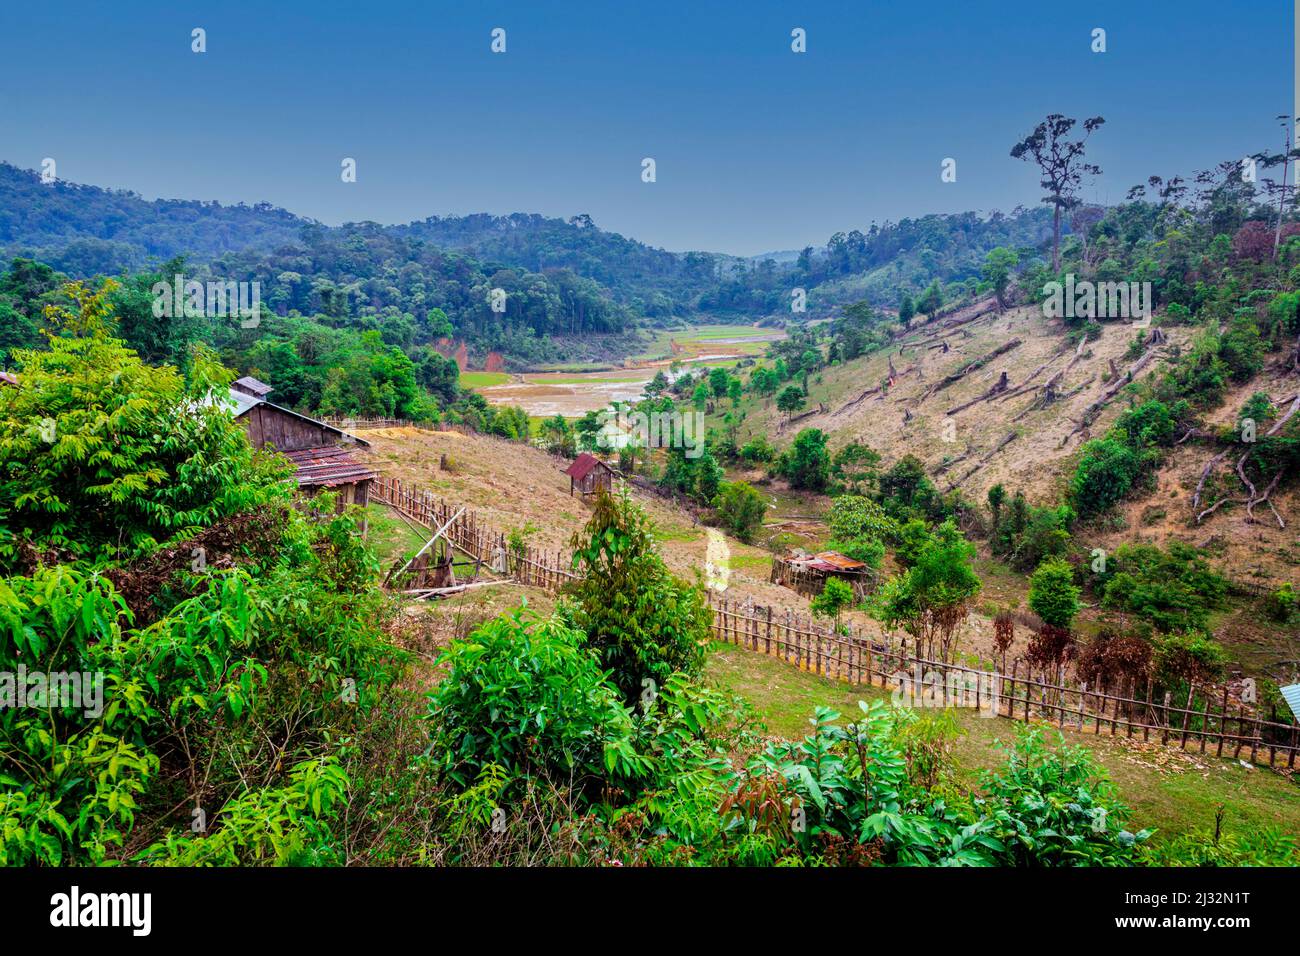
x: 390, y: 536
x: 751, y: 562
x: 1165, y: 789
x: 483, y: 379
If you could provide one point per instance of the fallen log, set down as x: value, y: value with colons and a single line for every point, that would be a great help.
x: 1049, y: 396
x: 1011, y: 436
x: 998, y: 388
x: 1205, y: 474
x: 1277, y: 425
x: 1264, y: 499
x: 969, y: 367
x: 1090, y: 413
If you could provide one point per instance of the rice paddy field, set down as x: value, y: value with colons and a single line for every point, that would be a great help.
x: 572, y: 392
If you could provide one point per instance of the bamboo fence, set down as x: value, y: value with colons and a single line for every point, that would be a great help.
x: 1205, y: 718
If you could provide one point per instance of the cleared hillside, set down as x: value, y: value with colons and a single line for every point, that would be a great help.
x: 1025, y: 443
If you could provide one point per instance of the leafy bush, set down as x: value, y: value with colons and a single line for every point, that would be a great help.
x: 836, y: 595
x: 741, y: 508
x: 1282, y: 605
x: 757, y: 451
x: 1056, y: 808
x: 526, y: 695
x: 279, y: 656
x: 1187, y: 657
x: 1106, y: 472
x: 859, y: 528
x: 1255, y: 846
x: 931, y: 600
x: 643, y: 622
x: 806, y: 463
x: 1172, y: 590
x: 1053, y: 595
x: 102, y: 455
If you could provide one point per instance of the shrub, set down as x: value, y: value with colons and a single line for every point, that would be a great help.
x: 1187, y: 657
x: 1282, y: 605
x: 1106, y: 471
x: 806, y: 463
x: 1053, y: 595
x: 741, y: 508
x: 1172, y: 590
x: 930, y: 601
x: 104, y: 456
x: 757, y: 451
x: 642, y: 622
x: 858, y: 528
x: 1255, y: 846
x: 525, y: 694
x: 836, y: 595
x: 1056, y: 808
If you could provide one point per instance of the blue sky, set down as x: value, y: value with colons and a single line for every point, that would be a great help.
x: 757, y: 148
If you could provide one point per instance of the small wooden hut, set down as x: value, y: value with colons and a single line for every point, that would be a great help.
x: 807, y: 573
x: 588, y: 475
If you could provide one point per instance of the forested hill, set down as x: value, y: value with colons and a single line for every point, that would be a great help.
x: 84, y: 230
x: 569, y: 274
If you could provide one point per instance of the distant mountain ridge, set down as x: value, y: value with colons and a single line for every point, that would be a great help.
x: 87, y: 230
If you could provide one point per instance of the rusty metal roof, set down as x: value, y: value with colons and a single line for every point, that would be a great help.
x: 327, y: 467
x: 840, y: 561
x: 828, y: 562
x: 582, y: 466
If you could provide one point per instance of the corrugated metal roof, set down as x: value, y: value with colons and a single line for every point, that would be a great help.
x: 582, y: 466
x: 1291, y: 694
x: 252, y: 386
x: 841, y: 561
x: 327, y: 467
x: 827, y: 561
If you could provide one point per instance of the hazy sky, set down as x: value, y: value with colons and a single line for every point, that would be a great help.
x: 757, y: 148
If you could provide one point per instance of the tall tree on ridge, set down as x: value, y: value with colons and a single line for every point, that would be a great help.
x: 1061, y: 162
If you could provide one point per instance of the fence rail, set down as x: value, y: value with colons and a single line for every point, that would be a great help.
x: 1219, y: 725
x: 362, y: 423
x: 475, y: 537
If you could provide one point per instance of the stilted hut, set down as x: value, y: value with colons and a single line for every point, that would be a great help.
x: 807, y: 573
x: 588, y: 475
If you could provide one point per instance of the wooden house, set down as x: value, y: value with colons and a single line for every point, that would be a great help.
x: 588, y: 475
x: 319, y: 452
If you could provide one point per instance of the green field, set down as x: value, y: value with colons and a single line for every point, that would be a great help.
x: 698, y: 338
x: 483, y: 379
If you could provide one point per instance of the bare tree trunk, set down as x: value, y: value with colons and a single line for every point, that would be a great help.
x: 1056, y: 238
x: 1281, y: 196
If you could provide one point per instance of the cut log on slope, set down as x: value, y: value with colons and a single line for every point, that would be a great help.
x: 944, y: 466
x: 1051, y: 383
x: 969, y: 367
x: 1277, y: 425
x: 1200, y: 485
x: 1090, y: 413
x: 970, y: 313
x: 998, y: 388
x: 1010, y: 437
x: 1027, y: 385
x: 1050, y: 395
